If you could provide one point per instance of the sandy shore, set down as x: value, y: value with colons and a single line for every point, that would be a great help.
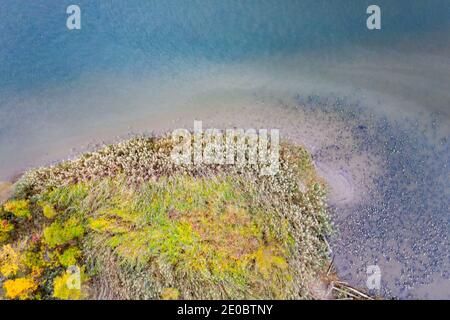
x: 5, y: 191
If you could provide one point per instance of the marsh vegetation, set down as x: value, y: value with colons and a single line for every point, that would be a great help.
x: 139, y: 227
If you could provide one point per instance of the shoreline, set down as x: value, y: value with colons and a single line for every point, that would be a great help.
x: 5, y: 191
x: 313, y: 129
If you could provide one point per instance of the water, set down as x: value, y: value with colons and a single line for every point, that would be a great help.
x: 372, y: 106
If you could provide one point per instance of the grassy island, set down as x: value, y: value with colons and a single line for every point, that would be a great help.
x: 125, y: 222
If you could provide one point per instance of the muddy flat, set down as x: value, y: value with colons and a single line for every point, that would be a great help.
x: 5, y: 191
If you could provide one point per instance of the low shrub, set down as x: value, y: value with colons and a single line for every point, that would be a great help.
x: 48, y: 210
x: 6, y: 228
x: 19, y: 208
x: 69, y: 257
x: 60, y: 233
x: 9, y: 261
x: 20, y: 288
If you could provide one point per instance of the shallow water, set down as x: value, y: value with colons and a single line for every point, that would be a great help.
x: 372, y: 107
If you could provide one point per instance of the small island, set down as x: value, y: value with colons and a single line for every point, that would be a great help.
x: 125, y: 222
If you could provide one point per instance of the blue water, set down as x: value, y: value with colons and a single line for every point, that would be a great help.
x: 146, y: 36
x: 141, y: 65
